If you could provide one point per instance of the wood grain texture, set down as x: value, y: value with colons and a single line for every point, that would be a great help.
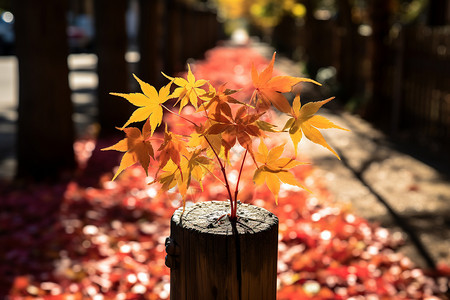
x: 219, y: 259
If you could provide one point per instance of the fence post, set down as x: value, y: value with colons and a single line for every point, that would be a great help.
x: 213, y: 258
x: 149, y: 39
x: 173, y: 38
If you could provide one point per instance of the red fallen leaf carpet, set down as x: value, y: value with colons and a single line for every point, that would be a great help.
x: 69, y: 241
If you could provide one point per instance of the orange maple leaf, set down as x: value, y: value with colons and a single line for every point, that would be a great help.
x: 172, y: 148
x: 268, y: 89
x: 239, y: 128
x: 219, y: 100
x: 136, y: 146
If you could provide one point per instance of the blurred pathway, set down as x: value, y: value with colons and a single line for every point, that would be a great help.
x: 381, y: 183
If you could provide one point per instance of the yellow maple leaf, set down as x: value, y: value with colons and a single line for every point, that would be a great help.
x: 171, y: 177
x: 274, y: 169
x: 305, y: 122
x: 189, y: 89
x: 212, y: 142
x: 149, y: 103
x: 136, y: 146
x: 193, y: 165
x: 198, y: 166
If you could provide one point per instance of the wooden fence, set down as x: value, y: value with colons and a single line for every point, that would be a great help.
x: 416, y: 69
x: 190, y: 31
x: 420, y: 88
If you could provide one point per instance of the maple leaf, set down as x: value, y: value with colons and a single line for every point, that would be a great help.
x: 189, y: 89
x: 269, y: 89
x: 198, y: 166
x: 136, y: 147
x: 305, y: 122
x: 274, y: 169
x: 239, y: 128
x: 171, y: 177
x: 212, y: 142
x: 172, y: 148
x: 266, y: 126
x: 195, y: 165
x: 219, y: 100
x: 149, y: 102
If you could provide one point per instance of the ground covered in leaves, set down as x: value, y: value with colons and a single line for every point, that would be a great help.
x: 70, y: 241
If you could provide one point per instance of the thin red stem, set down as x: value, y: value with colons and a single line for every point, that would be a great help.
x: 236, y: 191
x: 222, y: 169
x: 253, y: 96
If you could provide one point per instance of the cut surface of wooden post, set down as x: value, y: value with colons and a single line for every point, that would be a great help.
x: 220, y: 259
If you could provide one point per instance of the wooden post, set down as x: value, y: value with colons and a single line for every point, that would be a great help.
x: 173, y: 38
x: 45, y: 131
x: 150, y: 41
x: 112, y: 69
x: 213, y: 258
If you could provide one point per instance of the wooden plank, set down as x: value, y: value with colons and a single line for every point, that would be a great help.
x: 220, y: 259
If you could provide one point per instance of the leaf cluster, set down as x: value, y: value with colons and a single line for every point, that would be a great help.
x: 229, y: 123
